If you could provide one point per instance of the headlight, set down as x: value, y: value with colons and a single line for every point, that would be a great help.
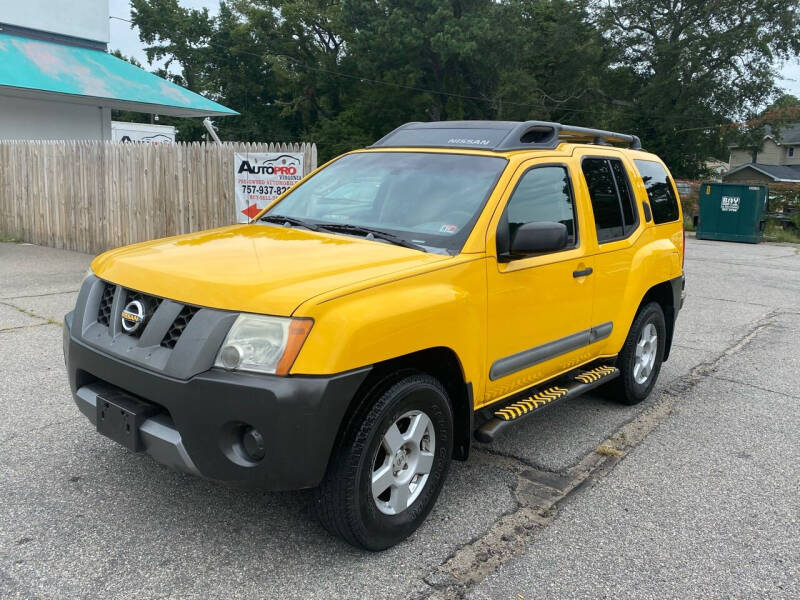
x: 263, y: 344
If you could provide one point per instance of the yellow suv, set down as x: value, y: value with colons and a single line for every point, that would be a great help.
x: 445, y: 283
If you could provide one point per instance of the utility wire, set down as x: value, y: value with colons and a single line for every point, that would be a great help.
x: 361, y: 79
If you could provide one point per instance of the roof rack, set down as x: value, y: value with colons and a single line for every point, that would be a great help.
x: 499, y: 136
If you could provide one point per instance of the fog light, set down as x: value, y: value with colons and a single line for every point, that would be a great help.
x: 230, y: 356
x: 253, y: 444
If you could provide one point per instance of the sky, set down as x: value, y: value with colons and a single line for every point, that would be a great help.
x: 125, y: 39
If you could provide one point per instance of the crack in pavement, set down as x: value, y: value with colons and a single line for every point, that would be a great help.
x: 755, y: 387
x: 792, y: 255
x: 488, y: 450
x: 6, y: 329
x: 38, y: 295
x: 538, y: 495
x: 674, y: 345
x: 30, y: 313
x: 733, y: 301
x: 755, y: 265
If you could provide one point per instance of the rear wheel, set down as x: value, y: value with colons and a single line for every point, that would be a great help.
x: 389, y: 467
x: 640, y: 360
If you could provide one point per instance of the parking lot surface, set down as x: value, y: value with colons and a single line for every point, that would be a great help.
x: 691, y: 493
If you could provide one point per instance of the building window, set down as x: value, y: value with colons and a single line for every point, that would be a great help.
x: 790, y: 151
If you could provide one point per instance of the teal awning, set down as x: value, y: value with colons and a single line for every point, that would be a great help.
x: 31, y: 67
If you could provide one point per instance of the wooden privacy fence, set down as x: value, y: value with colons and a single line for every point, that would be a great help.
x: 92, y: 196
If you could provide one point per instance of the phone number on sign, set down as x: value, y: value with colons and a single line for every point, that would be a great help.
x: 268, y: 190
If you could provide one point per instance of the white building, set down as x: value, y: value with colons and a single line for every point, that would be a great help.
x: 57, y: 80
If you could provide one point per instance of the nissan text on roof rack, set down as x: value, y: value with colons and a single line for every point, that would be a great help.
x: 440, y: 286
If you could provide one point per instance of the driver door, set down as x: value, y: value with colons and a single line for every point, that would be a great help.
x: 539, y: 307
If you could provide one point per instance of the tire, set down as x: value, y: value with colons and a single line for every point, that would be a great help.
x: 632, y: 386
x: 367, y: 451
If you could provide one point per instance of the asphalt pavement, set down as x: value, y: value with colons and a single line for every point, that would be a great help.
x: 700, y: 499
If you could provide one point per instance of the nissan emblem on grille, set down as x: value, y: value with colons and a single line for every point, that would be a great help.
x: 132, y: 316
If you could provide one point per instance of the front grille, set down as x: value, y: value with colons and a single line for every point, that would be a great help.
x: 150, y: 304
x: 178, y: 325
x: 106, y: 300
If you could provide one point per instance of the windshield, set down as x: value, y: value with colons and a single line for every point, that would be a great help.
x: 430, y: 200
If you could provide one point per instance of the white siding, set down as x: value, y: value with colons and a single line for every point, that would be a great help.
x: 792, y: 160
x: 27, y: 119
x: 87, y: 19
x: 771, y: 153
x: 740, y: 157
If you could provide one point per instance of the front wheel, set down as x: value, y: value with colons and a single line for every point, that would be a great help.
x: 640, y: 360
x: 389, y: 467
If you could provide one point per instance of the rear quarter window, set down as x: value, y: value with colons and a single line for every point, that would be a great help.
x: 660, y: 191
x: 612, y: 203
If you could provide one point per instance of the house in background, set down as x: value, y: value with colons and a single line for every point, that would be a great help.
x: 778, y: 161
x: 57, y: 81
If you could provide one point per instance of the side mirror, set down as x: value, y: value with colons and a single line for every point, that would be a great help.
x: 537, y: 238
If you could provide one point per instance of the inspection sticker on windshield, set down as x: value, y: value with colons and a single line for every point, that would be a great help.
x: 448, y: 229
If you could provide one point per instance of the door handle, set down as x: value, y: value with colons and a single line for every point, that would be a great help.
x: 582, y: 272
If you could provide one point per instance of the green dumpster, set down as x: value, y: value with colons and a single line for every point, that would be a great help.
x: 732, y: 212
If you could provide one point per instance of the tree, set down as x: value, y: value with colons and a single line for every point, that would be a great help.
x: 750, y: 134
x: 345, y: 72
x: 784, y: 101
x: 691, y: 65
x: 468, y: 59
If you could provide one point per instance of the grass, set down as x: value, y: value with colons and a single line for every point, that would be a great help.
x: 30, y: 313
x: 772, y: 232
x: 605, y: 450
x: 8, y: 239
x: 775, y: 233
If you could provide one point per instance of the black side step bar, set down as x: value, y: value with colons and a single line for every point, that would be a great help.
x: 515, y: 411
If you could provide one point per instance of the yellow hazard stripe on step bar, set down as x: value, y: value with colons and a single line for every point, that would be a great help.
x: 595, y: 374
x: 526, y: 405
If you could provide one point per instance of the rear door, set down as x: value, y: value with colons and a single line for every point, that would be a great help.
x: 539, y: 307
x: 617, y: 225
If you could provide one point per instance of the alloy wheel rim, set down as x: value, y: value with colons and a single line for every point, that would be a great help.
x: 645, y: 354
x: 403, y: 462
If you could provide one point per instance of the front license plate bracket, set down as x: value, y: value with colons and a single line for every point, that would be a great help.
x: 119, y: 417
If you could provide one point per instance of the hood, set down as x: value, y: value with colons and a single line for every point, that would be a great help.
x: 264, y: 269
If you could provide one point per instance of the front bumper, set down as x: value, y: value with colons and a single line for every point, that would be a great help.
x: 195, y: 430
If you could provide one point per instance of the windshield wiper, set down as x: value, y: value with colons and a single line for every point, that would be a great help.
x: 290, y: 220
x: 371, y: 233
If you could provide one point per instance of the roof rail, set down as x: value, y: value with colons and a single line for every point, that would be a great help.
x: 499, y: 136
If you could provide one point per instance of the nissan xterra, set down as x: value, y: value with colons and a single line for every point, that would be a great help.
x: 444, y: 284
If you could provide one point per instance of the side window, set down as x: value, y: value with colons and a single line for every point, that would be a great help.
x: 615, y: 215
x: 629, y: 213
x: 659, y: 190
x: 542, y: 194
x: 605, y: 204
